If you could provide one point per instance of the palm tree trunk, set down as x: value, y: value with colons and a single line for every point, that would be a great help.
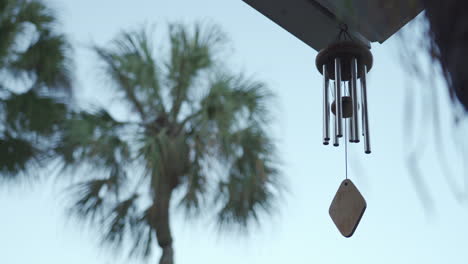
x: 162, y: 225
x: 449, y: 31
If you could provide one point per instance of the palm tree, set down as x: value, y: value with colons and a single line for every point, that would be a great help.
x: 197, y: 129
x: 34, y: 70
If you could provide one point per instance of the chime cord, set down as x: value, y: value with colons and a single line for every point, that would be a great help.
x: 346, y: 148
x: 346, y: 139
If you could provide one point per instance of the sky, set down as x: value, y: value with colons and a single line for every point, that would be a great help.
x: 397, y: 226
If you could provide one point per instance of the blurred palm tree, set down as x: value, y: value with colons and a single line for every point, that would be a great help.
x: 198, y: 138
x: 448, y: 39
x: 35, y: 77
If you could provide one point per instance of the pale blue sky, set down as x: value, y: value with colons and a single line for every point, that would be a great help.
x: 395, y: 228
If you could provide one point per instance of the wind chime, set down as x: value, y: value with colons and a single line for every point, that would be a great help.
x: 345, y: 62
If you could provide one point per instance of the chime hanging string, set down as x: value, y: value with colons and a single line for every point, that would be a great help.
x: 346, y: 149
x: 346, y: 88
x: 346, y: 130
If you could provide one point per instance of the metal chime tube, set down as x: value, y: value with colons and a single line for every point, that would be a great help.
x: 349, y: 124
x: 326, y: 107
x: 336, y: 141
x: 365, y: 116
x: 354, y: 100
x: 338, y: 105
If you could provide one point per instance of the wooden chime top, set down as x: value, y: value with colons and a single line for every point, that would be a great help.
x: 346, y: 51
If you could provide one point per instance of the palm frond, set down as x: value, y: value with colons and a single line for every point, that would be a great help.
x: 90, y: 197
x: 232, y: 103
x: 94, y: 139
x: 143, y: 233
x: 190, y: 53
x: 253, y: 179
x: 150, y: 153
x: 118, y: 221
x: 46, y: 61
x: 9, y: 33
x: 16, y: 156
x: 132, y: 68
x: 36, y: 13
x: 29, y: 135
x: 96, y: 203
x: 195, y: 190
x: 22, y: 115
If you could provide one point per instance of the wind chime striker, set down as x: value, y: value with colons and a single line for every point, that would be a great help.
x: 344, y: 63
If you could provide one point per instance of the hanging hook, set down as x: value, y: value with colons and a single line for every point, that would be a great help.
x: 343, y: 27
x: 344, y: 34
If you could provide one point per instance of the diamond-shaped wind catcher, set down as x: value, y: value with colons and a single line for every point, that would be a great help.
x: 347, y: 208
